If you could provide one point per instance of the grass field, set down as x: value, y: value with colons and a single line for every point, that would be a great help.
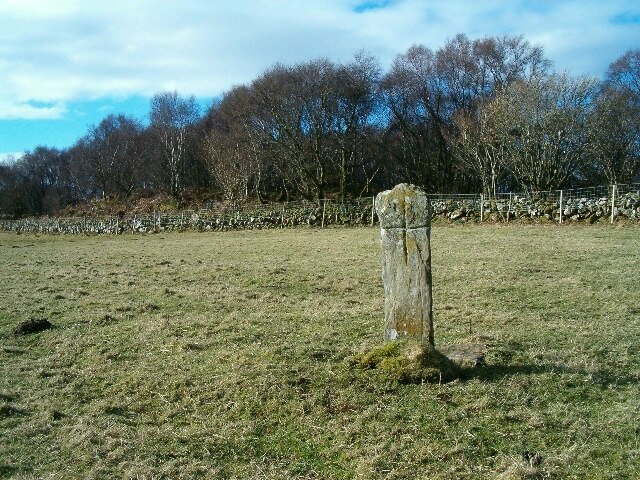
x: 201, y: 355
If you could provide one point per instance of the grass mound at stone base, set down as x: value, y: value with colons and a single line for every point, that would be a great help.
x: 405, y: 361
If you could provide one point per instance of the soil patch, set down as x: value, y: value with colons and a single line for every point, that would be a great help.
x: 33, y: 325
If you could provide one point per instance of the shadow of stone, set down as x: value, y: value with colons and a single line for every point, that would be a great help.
x: 490, y: 373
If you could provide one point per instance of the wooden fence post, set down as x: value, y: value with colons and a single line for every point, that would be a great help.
x: 481, y: 207
x: 373, y: 209
x: 561, y: 206
x: 324, y: 208
x: 613, y: 202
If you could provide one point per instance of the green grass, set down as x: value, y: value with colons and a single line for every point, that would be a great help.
x: 209, y: 355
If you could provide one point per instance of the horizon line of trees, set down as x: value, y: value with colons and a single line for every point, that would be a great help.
x: 486, y: 115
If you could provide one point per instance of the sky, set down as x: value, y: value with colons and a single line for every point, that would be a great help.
x: 67, y: 64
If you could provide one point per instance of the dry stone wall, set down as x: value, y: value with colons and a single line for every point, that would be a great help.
x: 538, y: 208
x: 453, y: 209
x: 238, y: 218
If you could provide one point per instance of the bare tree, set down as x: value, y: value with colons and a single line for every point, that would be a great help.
x: 296, y: 115
x: 34, y: 184
x: 172, y: 117
x: 624, y: 74
x: 545, y: 121
x: 480, y: 144
x: 614, y: 126
x: 111, y: 150
x: 426, y: 90
x: 416, y: 128
x: 233, y: 146
x: 506, y: 59
x: 614, y: 138
x: 358, y: 103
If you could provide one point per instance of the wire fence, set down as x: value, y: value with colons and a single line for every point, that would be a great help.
x: 603, y: 203
x: 558, y: 205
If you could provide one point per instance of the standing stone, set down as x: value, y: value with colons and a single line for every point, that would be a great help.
x: 405, y: 220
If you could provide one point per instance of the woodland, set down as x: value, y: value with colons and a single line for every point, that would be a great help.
x: 485, y: 115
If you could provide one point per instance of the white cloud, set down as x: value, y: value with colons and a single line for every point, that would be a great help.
x: 64, y: 50
x: 12, y: 110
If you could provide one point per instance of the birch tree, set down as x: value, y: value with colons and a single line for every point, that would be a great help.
x: 172, y: 117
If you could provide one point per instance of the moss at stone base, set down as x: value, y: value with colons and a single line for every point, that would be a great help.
x: 404, y: 361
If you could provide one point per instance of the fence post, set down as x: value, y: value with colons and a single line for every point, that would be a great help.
x: 324, y: 208
x: 613, y: 201
x: 481, y: 208
x: 561, y: 206
x: 373, y: 209
x: 509, y: 207
x: 282, y: 216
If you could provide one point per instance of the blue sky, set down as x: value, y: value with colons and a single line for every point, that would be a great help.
x: 66, y: 64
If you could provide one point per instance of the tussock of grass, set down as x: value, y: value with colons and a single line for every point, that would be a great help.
x: 222, y: 355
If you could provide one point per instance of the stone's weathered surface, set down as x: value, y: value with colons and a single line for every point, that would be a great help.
x: 405, y: 219
x: 406, y: 206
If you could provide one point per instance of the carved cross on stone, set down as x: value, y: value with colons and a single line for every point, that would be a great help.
x: 405, y: 221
